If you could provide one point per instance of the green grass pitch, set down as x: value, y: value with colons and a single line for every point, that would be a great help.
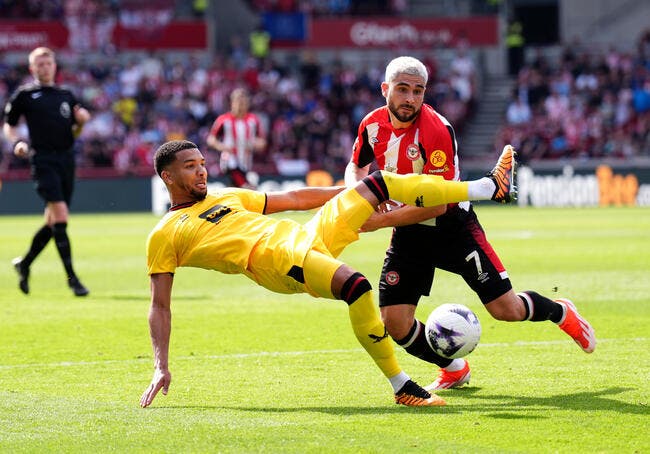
x: 259, y: 372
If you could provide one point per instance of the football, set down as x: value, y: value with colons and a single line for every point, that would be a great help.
x: 453, y: 330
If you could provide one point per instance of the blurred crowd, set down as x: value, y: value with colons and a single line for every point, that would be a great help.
x: 310, y: 110
x: 586, y: 105
x: 60, y: 9
x: 331, y: 7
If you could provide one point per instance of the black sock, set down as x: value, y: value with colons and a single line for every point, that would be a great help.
x: 376, y: 184
x: 63, y: 245
x: 415, y: 343
x: 355, y: 286
x: 40, y: 240
x: 539, y: 308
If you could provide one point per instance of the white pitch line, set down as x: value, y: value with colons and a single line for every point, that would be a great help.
x: 296, y: 353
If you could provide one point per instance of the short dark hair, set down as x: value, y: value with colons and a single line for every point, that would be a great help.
x: 166, y: 153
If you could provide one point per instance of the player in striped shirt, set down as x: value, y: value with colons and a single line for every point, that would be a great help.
x: 237, y: 135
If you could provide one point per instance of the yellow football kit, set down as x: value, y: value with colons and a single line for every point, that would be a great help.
x: 227, y: 232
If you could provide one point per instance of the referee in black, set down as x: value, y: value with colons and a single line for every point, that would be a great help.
x: 54, y: 118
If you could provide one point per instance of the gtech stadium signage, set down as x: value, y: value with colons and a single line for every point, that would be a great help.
x: 480, y: 31
x: 297, y: 30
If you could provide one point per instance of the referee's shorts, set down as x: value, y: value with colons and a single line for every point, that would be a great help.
x: 53, y: 174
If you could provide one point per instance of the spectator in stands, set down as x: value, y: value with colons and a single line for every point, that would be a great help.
x: 518, y: 112
x: 588, y: 105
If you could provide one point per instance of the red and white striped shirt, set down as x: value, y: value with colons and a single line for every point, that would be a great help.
x: 239, y: 134
x: 428, y: 146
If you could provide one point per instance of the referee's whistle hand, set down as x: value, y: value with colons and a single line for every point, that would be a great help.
x: 21, y: 149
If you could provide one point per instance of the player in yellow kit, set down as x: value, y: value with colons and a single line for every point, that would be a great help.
x: 228, y: 231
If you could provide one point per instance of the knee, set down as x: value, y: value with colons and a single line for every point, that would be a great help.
x: 507, y: 308
x: 397, y: 325
x: 353, y: 287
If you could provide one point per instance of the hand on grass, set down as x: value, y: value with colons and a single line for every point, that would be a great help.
x: 161, y: 380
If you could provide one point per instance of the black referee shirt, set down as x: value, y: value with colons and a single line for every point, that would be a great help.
x: 49, y: 115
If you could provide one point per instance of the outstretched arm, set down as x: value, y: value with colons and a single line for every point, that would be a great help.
x: 398, y: 216
x: 389, y: 214
x: 354, y: 173
x: 299, y: 199
x: 160, y: 323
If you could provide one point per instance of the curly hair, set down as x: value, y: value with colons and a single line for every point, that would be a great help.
x: 166, y: 153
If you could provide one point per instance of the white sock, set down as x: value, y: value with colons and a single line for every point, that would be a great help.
x: 481, y: 189
x: 455, y: 365
x: 399, y: 380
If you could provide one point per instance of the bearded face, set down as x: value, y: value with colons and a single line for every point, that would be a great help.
x: 404, y: 97
x: 405, y: 113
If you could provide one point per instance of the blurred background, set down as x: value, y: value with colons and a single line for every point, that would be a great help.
x: 567, y: 82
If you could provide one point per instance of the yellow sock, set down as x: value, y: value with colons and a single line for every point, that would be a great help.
x: 372, y: 335
x: 424, y: 190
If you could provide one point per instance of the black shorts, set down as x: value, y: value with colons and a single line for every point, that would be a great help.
x: 53, y: 175
x: 238, y: 178
x: 456, y: 244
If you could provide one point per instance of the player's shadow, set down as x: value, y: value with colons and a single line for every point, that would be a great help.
x: 498, y: 406
x: 505, y: 405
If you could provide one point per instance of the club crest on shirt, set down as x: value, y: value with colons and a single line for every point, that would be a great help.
x: 392, y: 278
x: 413, y: 152
x: 64, y: 109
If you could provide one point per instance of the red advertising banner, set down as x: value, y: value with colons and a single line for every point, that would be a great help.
x: 24, y: 36
x: 28, y: 35
x: 402, y: 33
x: 175, y: 35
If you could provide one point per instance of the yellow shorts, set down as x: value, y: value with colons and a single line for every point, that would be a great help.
x: 335, y: 226
x: 337, y: 223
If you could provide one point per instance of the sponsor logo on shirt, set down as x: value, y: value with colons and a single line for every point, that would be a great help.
x: 215, y: 213
x: 442, y: 170
x: 438, y: 158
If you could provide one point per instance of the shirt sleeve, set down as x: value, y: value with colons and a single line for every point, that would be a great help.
x: 161, y: 256
x: 259, y: 129
x: 362, y: 152
x: 442, y: 156
x: 254, y: 201
x: 13, y: 109
x: 215, y: 130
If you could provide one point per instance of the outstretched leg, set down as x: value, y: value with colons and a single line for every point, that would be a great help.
x: 329, y: 278
x: 339, y: 220
x: 430, y: 190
